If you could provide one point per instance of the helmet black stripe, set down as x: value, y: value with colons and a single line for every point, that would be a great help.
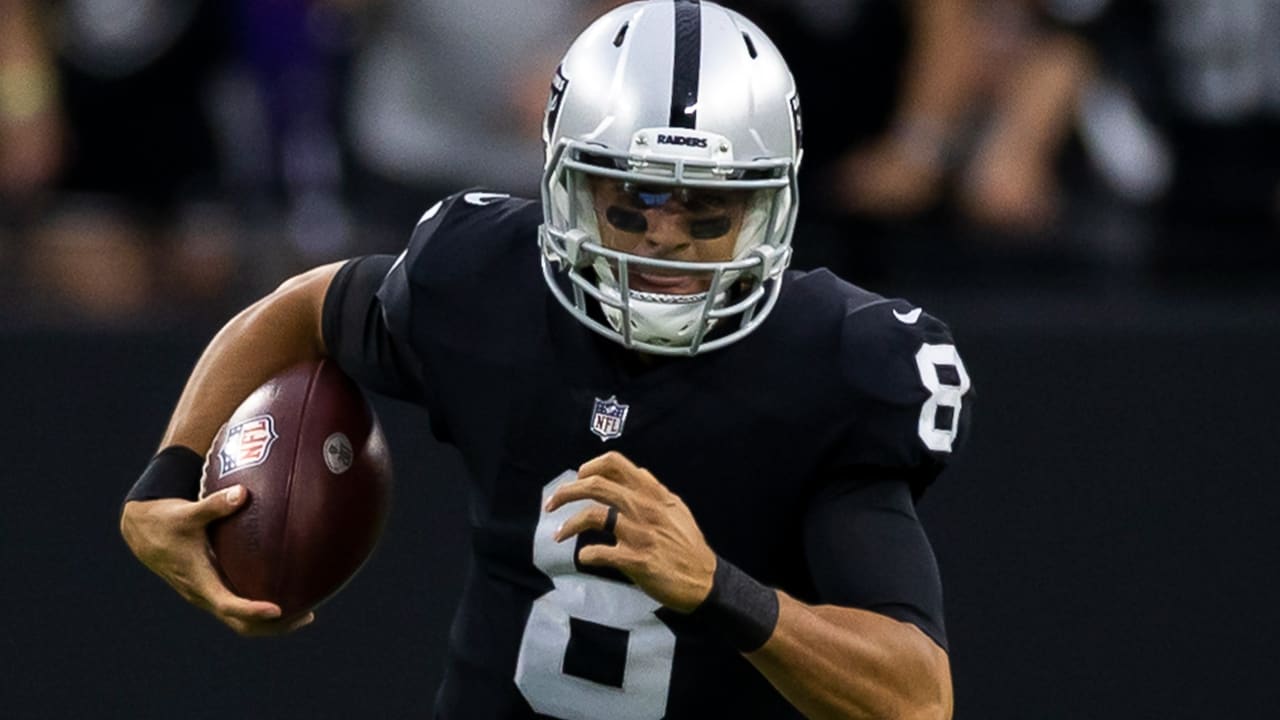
x: 687, y: 66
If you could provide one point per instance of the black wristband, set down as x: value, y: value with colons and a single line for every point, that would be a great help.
x: 739, y: 609
x: 173, y: 473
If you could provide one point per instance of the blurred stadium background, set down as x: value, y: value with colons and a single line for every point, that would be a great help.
x: 1088, y: 191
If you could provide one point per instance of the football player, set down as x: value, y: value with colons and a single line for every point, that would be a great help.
x: 693, y: 471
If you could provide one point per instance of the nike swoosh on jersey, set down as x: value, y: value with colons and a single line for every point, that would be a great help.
x: 431, y: 212
x: 908, y: 318
x: 483, y: 198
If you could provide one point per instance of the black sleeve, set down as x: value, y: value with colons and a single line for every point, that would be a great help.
x: 364, y: 331
x: 867, y: 549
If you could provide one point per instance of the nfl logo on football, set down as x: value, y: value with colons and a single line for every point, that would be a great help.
x: 608, y: 418
x: 247, y: 444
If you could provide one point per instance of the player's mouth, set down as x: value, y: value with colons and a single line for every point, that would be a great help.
x: 667, y: 283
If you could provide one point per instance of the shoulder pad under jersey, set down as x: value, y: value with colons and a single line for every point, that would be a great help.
x: 910, y: 386
x: 471, y: 254
x: 468, y: 229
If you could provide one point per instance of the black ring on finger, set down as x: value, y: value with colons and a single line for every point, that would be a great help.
x: 611, y: 519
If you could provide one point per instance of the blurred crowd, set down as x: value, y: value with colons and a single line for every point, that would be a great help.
x: 163, y: 160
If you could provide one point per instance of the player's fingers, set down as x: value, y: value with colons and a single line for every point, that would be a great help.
x: 614, y: 556
x: 593, y: 487
x: 302, y: 622
x: 219, y: 504
x: 619, y: 468
x: 270, y: 627
x: 252, y: 628
x: 612, y: 464
x: 225, y: 604
x: 228, y: 606
x: 596, y: 517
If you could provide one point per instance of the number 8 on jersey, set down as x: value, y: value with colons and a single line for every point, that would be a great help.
x: 585, y: 610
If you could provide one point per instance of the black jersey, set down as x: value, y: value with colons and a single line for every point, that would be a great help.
x: 837, y: 388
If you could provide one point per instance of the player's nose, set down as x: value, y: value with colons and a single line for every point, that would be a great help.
x: 665, y: 234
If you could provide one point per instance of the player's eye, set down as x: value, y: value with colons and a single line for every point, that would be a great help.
x: 702, y: 201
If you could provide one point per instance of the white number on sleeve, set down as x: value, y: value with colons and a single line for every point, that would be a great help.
x: 945, y: 395
x: 540, y: 667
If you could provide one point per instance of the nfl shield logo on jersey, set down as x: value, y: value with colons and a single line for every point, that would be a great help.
x: 247, y: 444
x: 608, y: 418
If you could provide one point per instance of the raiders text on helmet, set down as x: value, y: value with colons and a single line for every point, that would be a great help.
x: 665, y: 139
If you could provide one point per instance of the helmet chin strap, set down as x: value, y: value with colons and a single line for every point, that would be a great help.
x: 657, y: 318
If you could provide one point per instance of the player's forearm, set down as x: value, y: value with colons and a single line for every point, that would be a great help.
x: 836, y: 662
x: 942, y: 65
x: 274, y: 333
x: 1035, y: 113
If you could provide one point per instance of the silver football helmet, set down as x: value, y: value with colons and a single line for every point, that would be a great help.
x: 681, y: 96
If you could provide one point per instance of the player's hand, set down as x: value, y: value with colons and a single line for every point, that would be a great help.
x: 169, y: 537
x: 660, y: 547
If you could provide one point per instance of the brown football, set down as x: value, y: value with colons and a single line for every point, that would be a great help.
x: 310, y: 451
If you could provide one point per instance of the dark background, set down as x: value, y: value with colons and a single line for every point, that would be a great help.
x: 1107, y: 541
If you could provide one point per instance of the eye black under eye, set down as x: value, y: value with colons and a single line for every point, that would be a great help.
x: 709, y: 228
x: 626, y: 220
x: 632, y: 221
